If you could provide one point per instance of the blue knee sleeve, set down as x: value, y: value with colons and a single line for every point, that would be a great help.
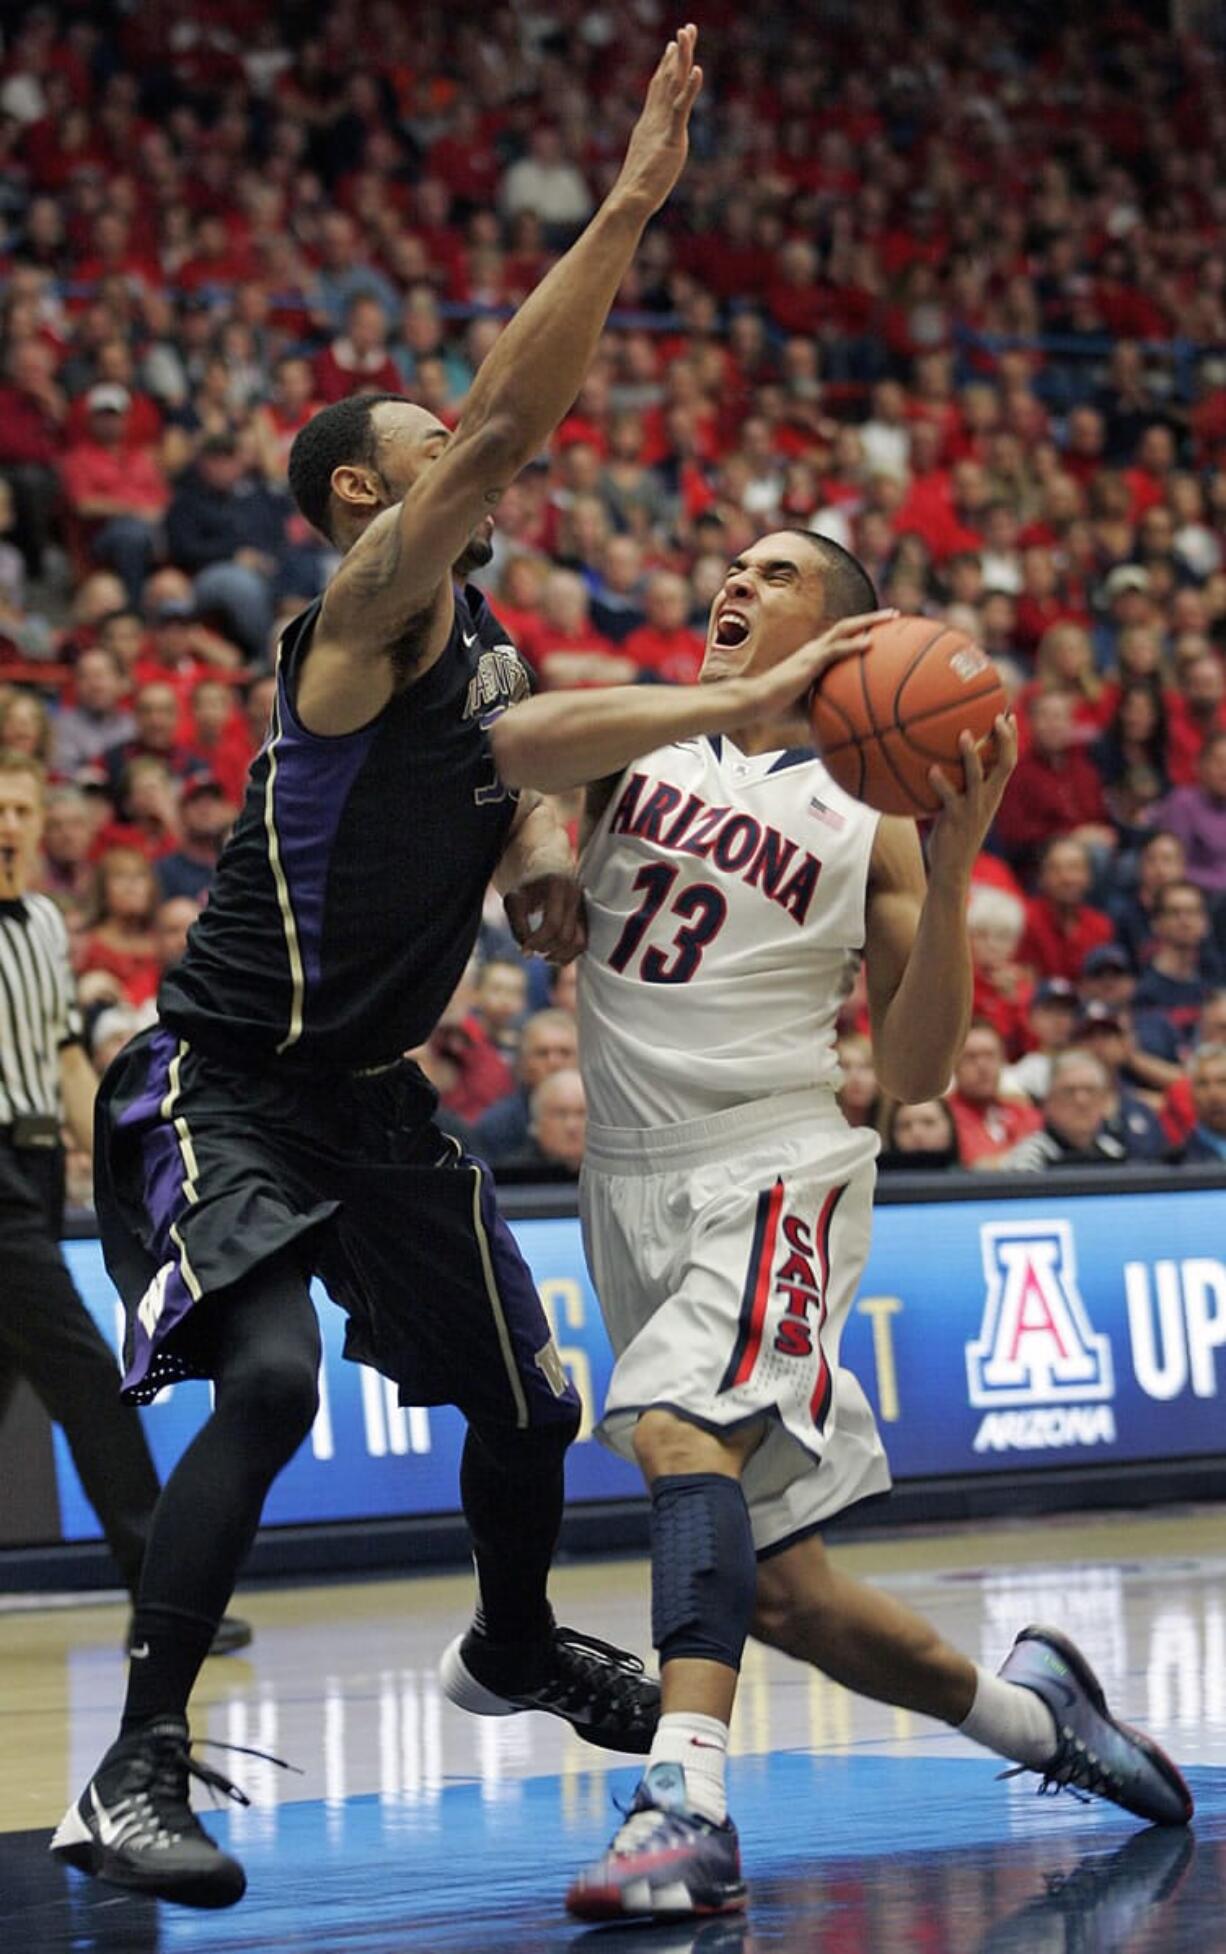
x: 703, y: 1569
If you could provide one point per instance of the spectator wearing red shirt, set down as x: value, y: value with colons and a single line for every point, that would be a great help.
x: 168, y: 657
x: 156, y: 711
x: 113, y: 366
x: 988, y: 1124
x: 220, y: 737
x: 117, y: 494
x: 1149, y: 478
x: 146, y: 817
x: 1042, y: 602
x: 995, y: 920
x: 1198, y: 714
x: 665, y: 647
x: 565, y: 648
x: 358, y: 361
x: 275, y: 423
x: 1061, y: 927
x: 122, y: 942
x: 1055, y: 788
x: 32, y: 411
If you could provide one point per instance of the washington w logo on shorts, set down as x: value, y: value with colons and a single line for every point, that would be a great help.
x: 1036, y: 1345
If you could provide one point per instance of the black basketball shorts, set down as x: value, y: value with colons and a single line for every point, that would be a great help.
x: 203, y: 1172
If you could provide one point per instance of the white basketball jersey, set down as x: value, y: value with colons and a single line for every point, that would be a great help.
x: 725, y: 901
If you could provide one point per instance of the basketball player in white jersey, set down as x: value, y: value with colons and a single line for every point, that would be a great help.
x: 732, y: 889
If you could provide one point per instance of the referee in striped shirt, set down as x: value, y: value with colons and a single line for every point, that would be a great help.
x: 46, y: 1333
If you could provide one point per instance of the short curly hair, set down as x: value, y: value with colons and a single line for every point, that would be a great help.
x: 344, y: 432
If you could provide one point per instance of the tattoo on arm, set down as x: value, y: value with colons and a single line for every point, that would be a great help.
x: 377, y: 558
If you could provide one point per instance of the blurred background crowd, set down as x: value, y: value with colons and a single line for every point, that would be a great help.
x: 947, y: 285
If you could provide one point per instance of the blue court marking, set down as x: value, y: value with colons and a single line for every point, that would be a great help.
x: 831, y: 1845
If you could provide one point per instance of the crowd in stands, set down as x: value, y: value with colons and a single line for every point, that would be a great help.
x: 951, y: 295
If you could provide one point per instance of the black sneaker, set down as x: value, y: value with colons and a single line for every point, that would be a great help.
x: 602, y: 1691
x: 232, y: 1633
x: 1095, y: 1753
x: 134, y: 1826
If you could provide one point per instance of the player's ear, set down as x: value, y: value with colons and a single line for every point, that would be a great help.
x: 357, y: 487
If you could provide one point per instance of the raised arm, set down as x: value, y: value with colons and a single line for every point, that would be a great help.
x: 524, y: 387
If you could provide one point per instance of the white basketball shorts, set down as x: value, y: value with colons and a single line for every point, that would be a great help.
x: 726, y: 1253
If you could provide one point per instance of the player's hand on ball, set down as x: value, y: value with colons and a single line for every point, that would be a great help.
x: 967, y: 814
x: 547, y: 917
x: 787, y: 686
x: 659, y: 141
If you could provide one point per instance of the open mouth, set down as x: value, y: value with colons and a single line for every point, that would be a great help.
x: 731, y: 630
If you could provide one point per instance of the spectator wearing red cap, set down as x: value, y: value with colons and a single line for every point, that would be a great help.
x: 1061, y: 927
x: 118, y: 494
x: 205, y: 819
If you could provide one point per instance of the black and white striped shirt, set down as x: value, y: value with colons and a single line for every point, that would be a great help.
x: 38, y: 1011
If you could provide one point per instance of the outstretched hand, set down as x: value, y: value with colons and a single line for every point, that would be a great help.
x: 659, y: 142
x: 967, y: 813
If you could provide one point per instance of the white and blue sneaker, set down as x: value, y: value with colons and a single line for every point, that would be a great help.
x: 1094, y: 1753
x: 664, y: 1861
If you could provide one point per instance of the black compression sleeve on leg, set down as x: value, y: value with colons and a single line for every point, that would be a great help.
x: 267, y: 1342
x: 512, y: 1487
x: 703, y: 1570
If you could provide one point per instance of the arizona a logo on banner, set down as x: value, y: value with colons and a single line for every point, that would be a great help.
x: 1037, y: 1347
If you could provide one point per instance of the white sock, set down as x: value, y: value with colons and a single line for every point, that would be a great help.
x: 700, y: 1746
x: 1011, y: 1720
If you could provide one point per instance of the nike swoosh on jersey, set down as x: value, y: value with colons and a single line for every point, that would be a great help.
x: 469, y: 641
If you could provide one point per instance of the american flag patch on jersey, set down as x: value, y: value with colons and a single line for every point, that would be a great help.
x: 826, y: 815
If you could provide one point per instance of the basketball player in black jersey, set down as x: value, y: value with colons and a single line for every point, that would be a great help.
x: 267, y: 1128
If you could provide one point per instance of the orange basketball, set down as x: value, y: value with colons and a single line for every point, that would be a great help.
x: 882, y: 717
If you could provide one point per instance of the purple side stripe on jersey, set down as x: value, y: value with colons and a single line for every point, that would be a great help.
x: 165, y: 1178
x: 314, y: 778
x: 527, y: 1325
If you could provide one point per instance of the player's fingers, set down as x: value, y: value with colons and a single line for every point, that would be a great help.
x: 942, y: 786
x: 516, y: 907
x: 554, y: 902
x: 1006, y: 748
x: 687, y: 98
x: 972, y: 761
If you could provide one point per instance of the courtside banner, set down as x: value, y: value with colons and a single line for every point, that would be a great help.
x: 991, y: 1336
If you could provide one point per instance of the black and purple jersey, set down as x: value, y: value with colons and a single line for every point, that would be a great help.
x: 347, y: 901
